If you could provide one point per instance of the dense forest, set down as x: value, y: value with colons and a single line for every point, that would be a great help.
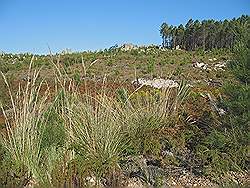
x: 206, y: 34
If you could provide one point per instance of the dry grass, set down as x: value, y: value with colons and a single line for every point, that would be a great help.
x: 25, y: 128
x: 99, y: 130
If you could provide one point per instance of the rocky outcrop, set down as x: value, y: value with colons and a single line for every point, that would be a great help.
x: 157, y: 83
x: 128, y: 47
x: 219, y: 66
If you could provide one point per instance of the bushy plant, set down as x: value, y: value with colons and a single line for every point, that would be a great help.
x: 150, y: 114
x: 226, y: 147
x: 151, y: 66
x: 240, y: 65
x: 34, y: 132
x: 98, y: 137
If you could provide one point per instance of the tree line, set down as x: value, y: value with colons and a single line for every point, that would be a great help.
x: 206, y: 34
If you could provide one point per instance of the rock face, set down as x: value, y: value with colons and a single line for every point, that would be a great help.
x: 157, y: 83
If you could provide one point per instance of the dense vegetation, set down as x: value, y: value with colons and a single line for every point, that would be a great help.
x: 70, y: 120
x: 206, y: 35
x: 119, y: 66
x: 225, y: 146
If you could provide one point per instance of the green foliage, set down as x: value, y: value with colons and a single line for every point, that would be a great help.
x: 241, y: 64
x: 30, y: 141
x: 98, y: 138
x: 11, y: 174
x: 150, y: 116
x: 54, y: 133
x: 77, y: 77
x: 172, y: 61
x: 178, y: 71
x: 237, y: 99
x: 122, y: 95
x: 226, y: 147
x: 163, y: 62
x: 4, y: 67
x: 151, y: 66
x: 145, y: 138
x: 110, y: 63
x: 205, y: 35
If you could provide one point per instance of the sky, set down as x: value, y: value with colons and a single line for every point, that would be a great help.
x: 36, y: 25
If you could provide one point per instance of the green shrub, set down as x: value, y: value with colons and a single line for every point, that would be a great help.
x: 172, y: 62
x: 178, y: 71
x: 32, y: 140
x: 240, y: 66
x: 151, y: 66
x: 150, y: 116
x: 226, y: 147
x: 122, y: 95
x: 163, y: 62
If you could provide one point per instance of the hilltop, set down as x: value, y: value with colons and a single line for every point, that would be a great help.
x: 124, y: 65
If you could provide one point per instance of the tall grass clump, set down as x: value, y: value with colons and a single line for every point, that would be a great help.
x: 94, y: 126
x: 105, y: 131
x: 150, y: 115
x: 32, y: 139
x: 98, y: 138
x: 24, y: 130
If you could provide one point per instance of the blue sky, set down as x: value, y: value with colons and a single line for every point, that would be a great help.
x: 32, y: 25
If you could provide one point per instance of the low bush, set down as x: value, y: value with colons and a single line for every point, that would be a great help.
x: 226, y: 147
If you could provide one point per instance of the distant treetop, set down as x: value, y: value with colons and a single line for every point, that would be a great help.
x: 207, y: 34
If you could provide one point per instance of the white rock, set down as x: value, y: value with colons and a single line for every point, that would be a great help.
x: 168, y: 153
x: 128, y: 47
x: 220, y: 65
x: 199, y: 65
x: 91, y: 180
x: 156, y: 83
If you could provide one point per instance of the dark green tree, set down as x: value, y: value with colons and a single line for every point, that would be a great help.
x: 207, y: 34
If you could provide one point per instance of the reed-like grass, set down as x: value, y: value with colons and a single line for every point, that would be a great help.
x: 97, y: 131
x: 149, y: 114
x: 24, y: 127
